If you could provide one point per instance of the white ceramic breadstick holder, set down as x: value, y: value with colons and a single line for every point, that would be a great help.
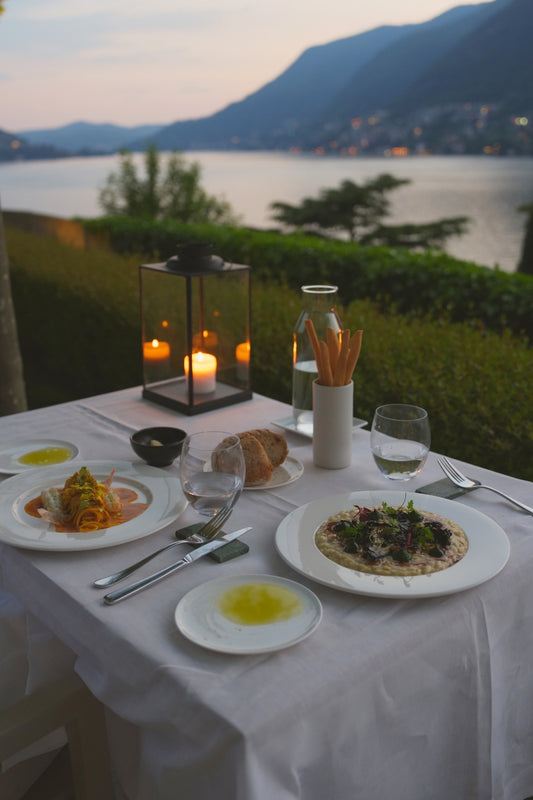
x: 332, y: 425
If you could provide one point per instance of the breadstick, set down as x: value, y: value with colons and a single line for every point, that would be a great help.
x: 340, y: 369
x: 353, y: 355
x: 333, y: 348
x: 310, y: 328
x: 327, y: 372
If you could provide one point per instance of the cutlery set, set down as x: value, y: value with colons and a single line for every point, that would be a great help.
x: 207, y: 536
x: 190, y: 558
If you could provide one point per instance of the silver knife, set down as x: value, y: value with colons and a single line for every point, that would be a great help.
x: 133, y: 588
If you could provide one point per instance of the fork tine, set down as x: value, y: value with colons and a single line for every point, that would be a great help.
x: 453, y: 469
x: 212, y: 526
x: 445, y: 468
x: 449, y: 470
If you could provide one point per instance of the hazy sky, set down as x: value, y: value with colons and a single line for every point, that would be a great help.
x: 133, y: 63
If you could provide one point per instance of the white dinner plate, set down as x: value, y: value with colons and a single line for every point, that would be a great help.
x: 306, y: 428
x: 154, y: 486
x: 289, y: 471
x: 12, y: 452
x: 488, y: 547
x: 200, y: 619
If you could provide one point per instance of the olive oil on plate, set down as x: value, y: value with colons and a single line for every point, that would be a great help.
x: 45, y: 456
x: 27, y: 454
x: 259, y: 603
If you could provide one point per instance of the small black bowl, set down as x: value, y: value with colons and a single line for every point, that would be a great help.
x: 158, y: 446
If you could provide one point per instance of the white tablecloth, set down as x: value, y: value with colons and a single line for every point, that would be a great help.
x: 403, y: 699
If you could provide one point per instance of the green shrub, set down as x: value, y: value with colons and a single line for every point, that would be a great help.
x: 78, y: 318
x: 79, y: 328
x: 398, y: 279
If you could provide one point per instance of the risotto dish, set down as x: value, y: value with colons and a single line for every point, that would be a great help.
x: 386, y: 540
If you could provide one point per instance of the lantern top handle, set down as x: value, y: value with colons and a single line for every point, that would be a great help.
x: 195, y: 258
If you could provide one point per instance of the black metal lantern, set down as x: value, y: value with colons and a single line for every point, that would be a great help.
x: 195, y: 318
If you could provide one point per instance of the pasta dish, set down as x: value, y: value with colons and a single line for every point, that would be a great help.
x: 85, y: 504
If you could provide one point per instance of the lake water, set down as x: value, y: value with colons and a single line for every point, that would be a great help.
x: 488, y: 190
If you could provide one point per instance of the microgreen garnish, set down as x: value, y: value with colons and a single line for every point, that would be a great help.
x: 389, y: 532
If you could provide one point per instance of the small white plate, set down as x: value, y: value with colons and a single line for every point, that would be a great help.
x: 289, y: 471
x: 11, y: 453
x: 306, y: 428
x: 488, y: 547
x: 199, y: 618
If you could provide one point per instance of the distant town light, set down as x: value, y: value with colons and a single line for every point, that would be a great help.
x: 15, y: 144
x: 373, y: 120
x: 521, y: 121
x: 417, y: 131
x: 356, y: 122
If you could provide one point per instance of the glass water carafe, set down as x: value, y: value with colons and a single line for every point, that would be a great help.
x: 318, y: 304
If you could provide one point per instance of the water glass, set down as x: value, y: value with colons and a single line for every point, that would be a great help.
x: 400, y: 440
x: 212, y: 471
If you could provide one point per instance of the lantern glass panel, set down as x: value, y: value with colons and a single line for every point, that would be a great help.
x: 200, y: 318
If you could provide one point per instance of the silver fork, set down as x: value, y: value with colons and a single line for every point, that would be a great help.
x: 205, y: 534
x: 467, y: 483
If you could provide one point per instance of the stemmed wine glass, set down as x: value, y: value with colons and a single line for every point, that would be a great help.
x: 400, y: 440
x: 212, y: 471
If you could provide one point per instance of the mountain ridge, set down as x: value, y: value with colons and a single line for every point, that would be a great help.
x: 98, y: 137
x: 397, y: 74
x: 410, y: 56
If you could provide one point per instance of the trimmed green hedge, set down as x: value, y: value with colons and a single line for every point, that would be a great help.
x: 79, y: 329
x: 78, y: 318
x: 397, y: 279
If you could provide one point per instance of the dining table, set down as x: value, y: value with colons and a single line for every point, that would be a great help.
x: 392, y: 695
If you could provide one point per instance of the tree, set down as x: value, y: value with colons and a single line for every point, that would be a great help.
x: 177, y: 194
x: 12, y: 389
x: 430, y: 234
x: 358, y: 210
x: 349, y: 208
x: 526, y: 260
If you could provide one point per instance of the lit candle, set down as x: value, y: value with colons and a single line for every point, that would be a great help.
x: 207, y: 340
x: 204, y: 371
x: 156, y: 352
x: 156, y: 356
x: 242, y: 354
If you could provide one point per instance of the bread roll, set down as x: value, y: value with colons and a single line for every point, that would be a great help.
x: 275, y: 445
x: 259, y: 468
x: 263, y: 451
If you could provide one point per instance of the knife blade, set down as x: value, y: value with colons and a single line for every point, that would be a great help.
x: 133, y: 588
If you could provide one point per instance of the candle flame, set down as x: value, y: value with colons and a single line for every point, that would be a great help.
x: 155, y: 342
